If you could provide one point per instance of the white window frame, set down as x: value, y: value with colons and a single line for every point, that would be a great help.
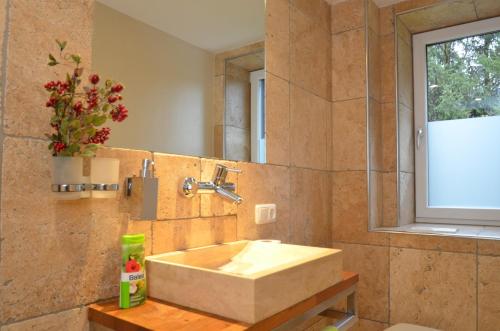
x: 424, y: 213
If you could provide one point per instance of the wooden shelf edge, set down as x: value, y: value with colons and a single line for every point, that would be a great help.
x: 108, y: 314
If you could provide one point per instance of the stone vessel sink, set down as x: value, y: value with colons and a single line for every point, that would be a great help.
x: 246, y: 281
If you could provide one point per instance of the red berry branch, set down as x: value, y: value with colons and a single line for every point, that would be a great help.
x: 80, y: 111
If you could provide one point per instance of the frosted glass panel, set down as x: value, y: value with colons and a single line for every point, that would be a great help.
x: 464, y: 163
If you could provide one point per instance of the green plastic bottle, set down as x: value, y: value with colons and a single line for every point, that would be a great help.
x: 133, y: 273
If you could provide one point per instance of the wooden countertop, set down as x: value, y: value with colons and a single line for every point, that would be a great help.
x: 163, y: 316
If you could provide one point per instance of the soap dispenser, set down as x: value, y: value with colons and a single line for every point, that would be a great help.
x: 142, y: 193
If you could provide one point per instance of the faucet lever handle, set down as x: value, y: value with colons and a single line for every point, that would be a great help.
x: 221, y: 172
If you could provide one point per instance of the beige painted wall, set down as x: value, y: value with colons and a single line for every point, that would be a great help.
x: 168, y: 85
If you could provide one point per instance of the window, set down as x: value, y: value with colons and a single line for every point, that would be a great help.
x: 457, y: 124
x: 258, y: 116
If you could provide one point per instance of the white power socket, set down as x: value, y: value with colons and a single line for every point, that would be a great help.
x: 265, y: 213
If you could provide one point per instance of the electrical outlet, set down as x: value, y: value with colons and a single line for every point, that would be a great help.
x: 265, y: 213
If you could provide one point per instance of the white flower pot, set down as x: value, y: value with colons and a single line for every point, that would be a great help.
x: 104, y: 170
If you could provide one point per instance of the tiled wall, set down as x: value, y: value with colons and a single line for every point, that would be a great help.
x: 447, y: 283
x: 58, y: 256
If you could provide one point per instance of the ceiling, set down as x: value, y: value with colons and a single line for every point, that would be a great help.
x: 215, y: 25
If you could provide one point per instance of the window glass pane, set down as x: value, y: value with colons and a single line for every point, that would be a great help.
x: 463, y: 78
x: 463, y: 104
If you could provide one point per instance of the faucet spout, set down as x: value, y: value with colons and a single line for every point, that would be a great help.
x: 190, y: 186
x: 226, y: 194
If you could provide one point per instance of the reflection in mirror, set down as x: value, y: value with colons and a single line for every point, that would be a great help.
x: 244, y: 116
x: 193, y: 72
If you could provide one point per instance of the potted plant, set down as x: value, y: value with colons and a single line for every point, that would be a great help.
x: 79, y: 113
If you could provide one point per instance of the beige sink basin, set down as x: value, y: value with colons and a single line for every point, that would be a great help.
x: 243, y: 280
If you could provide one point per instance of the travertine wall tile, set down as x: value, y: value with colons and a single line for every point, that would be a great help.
x: 213, y: 204
x: 237, y: 143
x: 488, y: 247
x: 263, y: 184
x: 488, y: 293
x: 348, y: 65
x: 71, y: 243
x: 350, y: 209
x: 278, y: 38
x: 349, y: 125
x: 237, y: 97
x: 433, y: 289
x: 412, y: 4
x: 406, y: 198
x: 277, y: 120
x: 406, y: 139
x: 405, y: 73
x: 310, y: 55
x: 486, y: 8
x: 348, y: 15
x: 374, y: 67
x: 220, y: 58
x: 387, y: 69
x: 310, y: 202
x: 372, y: 264
x: 219, y: 105
x: 69, y: 320
x: 386, y: 21
x: 318, y: 10
x: 181, y: 234
x: 31, y: 37
x: 432, y: 242
x: 376, y: 199
x: 389, y: 137
x: 373, y: 16
x: 438, y: 16
x: 390, y: 199
x: 172, y: 169
x: 308, y: 129
x: 3, y: 24
x: 376, y: 135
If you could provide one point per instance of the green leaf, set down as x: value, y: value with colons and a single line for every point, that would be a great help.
x: 87, y: 153
x: 74, y: 124
x: 64, y: 127
x: 91, y: 132
x: 88, y: 119
x: 52, y: 60
x: 76, y: 58
x: 62, y: 44
x: 92, y: 147
x: 106, y: 107
x: 73, y: 148
x: 77, y: 135
x: 99, y: 120
x: 89, y: 150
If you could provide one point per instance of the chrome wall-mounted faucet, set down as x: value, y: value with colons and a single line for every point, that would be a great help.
x: 218, y: 185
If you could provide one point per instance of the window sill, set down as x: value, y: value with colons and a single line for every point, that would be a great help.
x: 448, y: 230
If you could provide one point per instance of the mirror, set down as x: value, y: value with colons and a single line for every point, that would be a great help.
x: 193, y: 73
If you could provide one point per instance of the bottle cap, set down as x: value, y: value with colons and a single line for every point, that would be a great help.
x: 133, y: 238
